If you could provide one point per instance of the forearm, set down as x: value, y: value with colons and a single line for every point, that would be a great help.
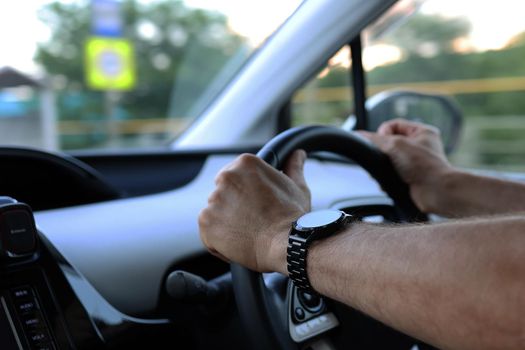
x: 462, y: 194
x: 454, y: 285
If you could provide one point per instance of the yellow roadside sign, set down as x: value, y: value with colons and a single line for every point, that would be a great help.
x: 109, y: 64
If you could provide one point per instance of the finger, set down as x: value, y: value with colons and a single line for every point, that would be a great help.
x: 223, y: 169
x: 399, y: 127
x: 379, y: 140
x: 366, y: 134
x: 294, y: 167
x: 215, y: 197
x: 219, y: 255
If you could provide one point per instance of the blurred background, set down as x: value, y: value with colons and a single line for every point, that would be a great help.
x: 107, y: 74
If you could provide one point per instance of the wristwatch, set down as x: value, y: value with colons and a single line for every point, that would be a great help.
x: 308, y: 228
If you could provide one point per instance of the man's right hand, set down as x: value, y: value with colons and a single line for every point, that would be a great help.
x: 417, y: 154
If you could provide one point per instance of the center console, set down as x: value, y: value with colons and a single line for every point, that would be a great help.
x: 31, y: 313
x: 28, y: 315
x: 46, y: 304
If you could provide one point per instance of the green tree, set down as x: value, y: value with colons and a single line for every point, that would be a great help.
x: 173, y: 43
x: 429, y: 35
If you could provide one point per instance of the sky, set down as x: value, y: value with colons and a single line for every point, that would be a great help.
x: 491, y: 27
x: 253, y: 19
x: 20, y: 28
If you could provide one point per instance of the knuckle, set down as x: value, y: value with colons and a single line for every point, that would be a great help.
x: 204, y: 218
x: 216, y: 196
x: 248, y: 160
x: 227, y: 177
x: 395, y: 144
x: 230, y: 176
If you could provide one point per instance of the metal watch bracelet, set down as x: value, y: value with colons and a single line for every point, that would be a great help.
x: 296, y: 262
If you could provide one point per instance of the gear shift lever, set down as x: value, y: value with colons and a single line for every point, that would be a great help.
x: 189, y: 288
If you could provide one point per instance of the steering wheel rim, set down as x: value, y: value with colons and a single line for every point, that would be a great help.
x: 255, y: 305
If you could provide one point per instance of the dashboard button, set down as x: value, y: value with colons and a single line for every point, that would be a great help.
x: 43, y: 346
x: 24, y: 292
x: 33, y: 320
x: 26, y: 306
x: 38, y: 337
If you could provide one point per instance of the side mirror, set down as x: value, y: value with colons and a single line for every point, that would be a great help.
x: 438, y: 110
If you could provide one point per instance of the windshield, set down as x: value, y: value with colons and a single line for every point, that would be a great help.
x: 111, y: 74
x: 472, y: 52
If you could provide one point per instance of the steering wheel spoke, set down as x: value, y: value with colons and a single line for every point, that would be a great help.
x: 308, y: 315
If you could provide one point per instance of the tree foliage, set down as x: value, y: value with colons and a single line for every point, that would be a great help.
x: 173, y: 44
x: 448, y: 64
x: 428, y: 35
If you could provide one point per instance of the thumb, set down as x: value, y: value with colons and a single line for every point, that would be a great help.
x: 294, y: 168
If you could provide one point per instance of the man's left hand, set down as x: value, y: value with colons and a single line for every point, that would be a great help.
x: 249, y: 215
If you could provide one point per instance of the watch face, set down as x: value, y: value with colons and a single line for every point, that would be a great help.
x: 318, y: 218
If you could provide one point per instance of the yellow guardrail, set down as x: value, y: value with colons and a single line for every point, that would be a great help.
x: 124, y: 127
x: 489, y: 144
x: 333, y: 94
x: 449, y: 87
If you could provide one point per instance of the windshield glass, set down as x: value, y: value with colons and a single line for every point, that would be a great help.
x: 111, y: 74
x: 472, y: 53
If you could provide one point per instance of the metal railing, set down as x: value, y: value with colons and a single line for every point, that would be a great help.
x: 496, y: 144
x: 174, y: 126
x: 476, y: 149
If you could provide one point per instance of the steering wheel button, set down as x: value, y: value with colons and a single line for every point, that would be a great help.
x: 311, y: 302
x: 299, y: 314
x: 314, y: 323
x: 302, y: 329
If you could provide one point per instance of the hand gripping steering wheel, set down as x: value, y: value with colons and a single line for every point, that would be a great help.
x: 267, y: 308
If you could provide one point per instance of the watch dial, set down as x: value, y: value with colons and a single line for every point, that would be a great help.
x: 319, y: 218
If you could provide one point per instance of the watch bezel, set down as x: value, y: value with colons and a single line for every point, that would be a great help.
x: 316, y: 232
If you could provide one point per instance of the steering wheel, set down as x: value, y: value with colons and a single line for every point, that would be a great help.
x: 265, y: 308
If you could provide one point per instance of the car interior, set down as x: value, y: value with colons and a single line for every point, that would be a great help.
x: 99, y: 237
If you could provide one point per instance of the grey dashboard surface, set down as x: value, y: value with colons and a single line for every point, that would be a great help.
x: 125, y: 247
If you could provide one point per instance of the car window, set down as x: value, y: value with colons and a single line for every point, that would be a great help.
x: 110, y: 74
x: 471, y: 51
x: 327, y: 97
x: 457, y: 49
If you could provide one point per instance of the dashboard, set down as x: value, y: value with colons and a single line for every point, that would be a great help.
x: 36, y: 301
x: 46, y: 304
x: 98, y: 276
x: 149, y: 234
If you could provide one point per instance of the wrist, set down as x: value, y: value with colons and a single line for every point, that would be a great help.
x: 277, y: 251
x: 432, y: 195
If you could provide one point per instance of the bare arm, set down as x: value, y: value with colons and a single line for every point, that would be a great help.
x: 436, y: 187
x: 461, y: 194
x: 457, y: 285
